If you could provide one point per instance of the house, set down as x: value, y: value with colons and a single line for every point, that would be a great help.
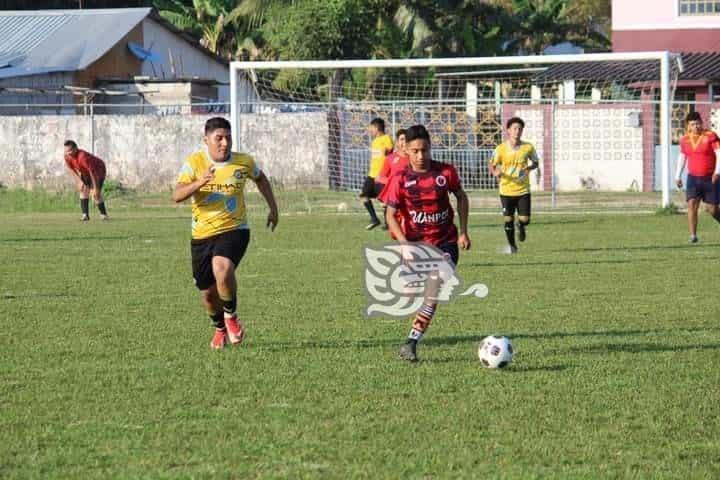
x: 67, y: 58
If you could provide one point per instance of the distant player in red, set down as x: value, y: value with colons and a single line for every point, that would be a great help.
x: 700, y: 148
x: 420, y: 195
x: 89, y: 173
x: 394, y: 162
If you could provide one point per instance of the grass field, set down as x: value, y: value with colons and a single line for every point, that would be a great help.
x: 106, y: 372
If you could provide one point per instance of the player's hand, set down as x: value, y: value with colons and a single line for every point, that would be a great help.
x: 272, y: 220
x: 207, y: 176
x: 496, y: 173
x: 79, y: 184
x: 464, y: 241
x: 715, y: 178
x: 406, y: 255
x: 679, y: 183
x: 95, y: 194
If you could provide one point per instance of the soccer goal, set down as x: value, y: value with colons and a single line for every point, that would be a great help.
x: 603, y: 124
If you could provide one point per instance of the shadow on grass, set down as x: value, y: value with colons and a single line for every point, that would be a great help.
x: 514, y: 368
x: 604, y: 348
x: 23, y: 296
x: 551, y: 263
x: 467, y: 339
x: 71, y: 239
x: 638, y: 247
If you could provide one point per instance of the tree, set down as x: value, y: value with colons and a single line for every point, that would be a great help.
x: 539, y: 24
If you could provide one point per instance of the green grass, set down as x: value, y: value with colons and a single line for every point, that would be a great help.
x: 105, y: 369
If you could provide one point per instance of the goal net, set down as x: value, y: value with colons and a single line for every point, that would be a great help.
x: 603, y: 124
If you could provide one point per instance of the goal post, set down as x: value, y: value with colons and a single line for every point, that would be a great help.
x: 600, y: 121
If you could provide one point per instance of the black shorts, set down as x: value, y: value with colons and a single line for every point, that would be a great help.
x: 87, y: 181
x: 452, y: 251
x: 510, y: 205
x: 370, y: 188
x: 704, y: 189
x: 230, y: 245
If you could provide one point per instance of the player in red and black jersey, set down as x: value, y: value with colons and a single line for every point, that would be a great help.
x: 700, y: 148
x: 89, y: 173
x: 419, y: 196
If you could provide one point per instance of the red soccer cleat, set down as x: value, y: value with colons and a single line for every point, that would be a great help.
x: 219, y: 340
x: 234, y: 329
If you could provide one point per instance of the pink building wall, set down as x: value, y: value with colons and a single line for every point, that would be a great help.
x: 646, y: 25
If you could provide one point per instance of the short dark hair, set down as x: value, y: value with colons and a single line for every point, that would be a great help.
x: 517, y: 120
x: 400, y: 132
x: 417, y: 132
x: 216, y: 123
x: 693, y: 117
x: 70, y: 143
x: 379, y: 123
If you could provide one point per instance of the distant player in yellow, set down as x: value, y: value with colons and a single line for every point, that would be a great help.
x: 511, y: 165
x: 381, y: 146
x: 215, y: 178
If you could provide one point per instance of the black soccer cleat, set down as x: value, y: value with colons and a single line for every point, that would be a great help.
x: 408, y: 353
x: 372, y: 225
x: 521, y: 232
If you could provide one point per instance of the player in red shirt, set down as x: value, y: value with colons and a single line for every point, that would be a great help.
x: 89, y: 173
x: 700, y: 148
x: 419, y: 194
x: 394, y: 162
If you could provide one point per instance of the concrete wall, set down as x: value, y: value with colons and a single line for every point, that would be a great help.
x: 146, y: 151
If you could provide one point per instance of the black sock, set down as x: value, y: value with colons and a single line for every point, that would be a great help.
x: 371, y: 210
x: 101, y: 207
x: 229, y: 305
x: 218, y: 320
x: 523, y: 224
x: 510, y: 233
x: 85, y: 206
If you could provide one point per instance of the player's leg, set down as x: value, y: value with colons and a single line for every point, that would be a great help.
x: 693, y: 204
x: 367, y: 194
x: 229, y: 249
x: 378, y: 188
x: 211, y: 302
x: 509, y: 205
x: 423, y: 318
x: 201, y: 254
x: 100, y: 201
x: 523, y: 216
x: 692, y: 194
x: 84, y: 201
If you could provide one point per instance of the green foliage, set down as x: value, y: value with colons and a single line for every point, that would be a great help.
x: 321, y: 29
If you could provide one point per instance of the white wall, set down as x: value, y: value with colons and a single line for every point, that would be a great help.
x: 188, y: 60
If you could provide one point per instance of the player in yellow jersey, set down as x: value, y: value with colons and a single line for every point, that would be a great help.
x: 381, y: 145
x: 215, y: 178
x: 511, y: 165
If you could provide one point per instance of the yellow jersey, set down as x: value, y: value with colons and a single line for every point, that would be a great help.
x: 380, y: 144
x: 514, y: 179
x: 219, y: 205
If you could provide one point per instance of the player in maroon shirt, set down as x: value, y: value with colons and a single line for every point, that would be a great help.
x: 419, y: 195
x: 700, y: 148
x: 89, y: 173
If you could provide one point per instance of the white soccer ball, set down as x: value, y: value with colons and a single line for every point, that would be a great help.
x: 495, y: 351
x: 342, y: 207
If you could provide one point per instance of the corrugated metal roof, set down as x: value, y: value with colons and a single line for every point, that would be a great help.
x: 697, y: 66
x: 34, y: 42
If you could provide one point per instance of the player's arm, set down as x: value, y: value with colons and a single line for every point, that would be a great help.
x: 680, y: 167
x: 716, y: 173
x: 463, y: 207
x: 393, y: 224
x: 534, y: 160
x: 494, y: 167
x: 265, y: 189
x: 183, y: 191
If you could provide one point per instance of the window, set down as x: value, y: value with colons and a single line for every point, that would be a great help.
x: 699, y: 7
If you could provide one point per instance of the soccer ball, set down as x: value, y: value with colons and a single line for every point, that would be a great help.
x: 495, y: 351
x: 342, y: 207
